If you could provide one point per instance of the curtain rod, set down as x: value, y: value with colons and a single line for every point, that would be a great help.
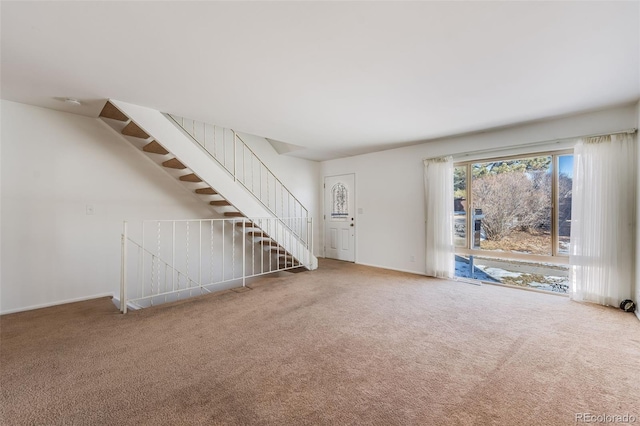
x: 533, y: 144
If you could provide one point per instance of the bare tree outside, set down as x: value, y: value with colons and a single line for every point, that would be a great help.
x: 511, y: 212
x: 508, y: 202
x: 515, y: 199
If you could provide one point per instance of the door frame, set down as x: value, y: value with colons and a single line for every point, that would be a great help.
x: 355, y: 213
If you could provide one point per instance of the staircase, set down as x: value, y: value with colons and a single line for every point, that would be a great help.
x: 219, y: 168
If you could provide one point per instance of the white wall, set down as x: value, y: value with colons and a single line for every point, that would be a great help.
x: 390, y: 189
x: 53, y: 165
x: 637, y: 292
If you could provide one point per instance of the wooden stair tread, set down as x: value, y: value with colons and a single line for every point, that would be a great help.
x: 132, y: 129
x: 190, y: 178
x: 245, y: 224
x: 220, y: 203
x: 233, y: 214
x: 174, y: 163
x: 111, y: 111
x: 206, y: 191
x: 155, y: 148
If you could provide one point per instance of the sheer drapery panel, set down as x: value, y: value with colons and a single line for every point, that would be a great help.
x: 438, y: 183
x: 602, y: 251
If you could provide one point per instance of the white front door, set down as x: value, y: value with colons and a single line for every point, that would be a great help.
x: 339, y: 217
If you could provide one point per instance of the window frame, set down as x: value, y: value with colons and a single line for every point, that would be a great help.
x: 555, y: 257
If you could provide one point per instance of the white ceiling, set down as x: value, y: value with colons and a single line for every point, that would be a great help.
x: 337, y: 78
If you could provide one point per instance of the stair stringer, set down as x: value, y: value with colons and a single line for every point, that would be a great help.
x: 161, y: 129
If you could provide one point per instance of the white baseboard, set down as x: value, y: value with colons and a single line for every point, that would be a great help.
x: 638, y: 313
x: 391, y: 269
x: 59, y: 302
x: 130, y: 306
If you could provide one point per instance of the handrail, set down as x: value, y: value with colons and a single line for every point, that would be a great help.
x: 213, y: 155
x: 175, y: 257
x: 269, y: 170
x: 236, y: 219
x: 240, y: 173
x: 285, y: 221
x: 159, y: 258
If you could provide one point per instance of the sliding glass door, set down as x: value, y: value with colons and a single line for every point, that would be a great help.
x: 512, y: 215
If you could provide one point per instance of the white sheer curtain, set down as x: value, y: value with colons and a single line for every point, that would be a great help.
x: 438, y: 185
x: 602, y: 219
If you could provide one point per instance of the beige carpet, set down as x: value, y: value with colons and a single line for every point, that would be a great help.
x: 345, y: 344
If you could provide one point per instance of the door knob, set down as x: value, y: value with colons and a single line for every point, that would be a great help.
x: 351, y: 224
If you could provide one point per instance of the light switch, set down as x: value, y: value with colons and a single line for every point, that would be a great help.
x: 360, y: 210
x: 89, y: 209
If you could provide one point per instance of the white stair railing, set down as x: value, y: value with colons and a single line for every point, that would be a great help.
x: 168, y: 260
x: 235, y: 156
